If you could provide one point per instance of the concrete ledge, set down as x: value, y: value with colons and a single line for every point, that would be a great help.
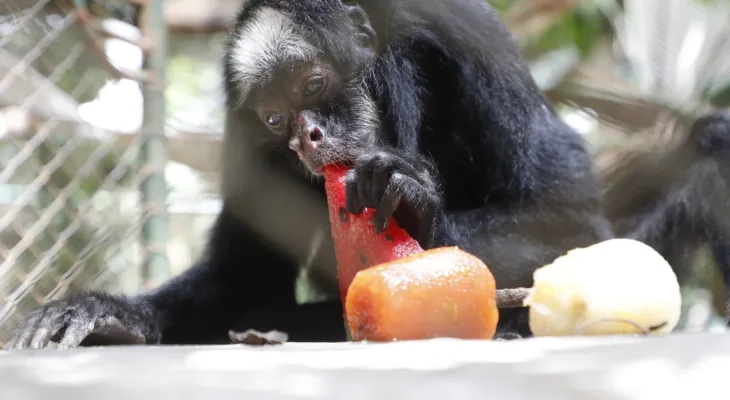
x: 677, y: 366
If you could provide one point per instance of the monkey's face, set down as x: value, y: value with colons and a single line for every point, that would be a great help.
x: 321, y: 117
x: 300, y: 76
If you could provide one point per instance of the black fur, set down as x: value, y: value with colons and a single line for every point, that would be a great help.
x: 679, y: 200
x: 472, y: 148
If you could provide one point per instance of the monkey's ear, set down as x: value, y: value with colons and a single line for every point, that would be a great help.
x: 366, y: 35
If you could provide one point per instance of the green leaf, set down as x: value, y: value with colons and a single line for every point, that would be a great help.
x: 501, y: 5
x: 555, y: 37
x: 720, y: 97
x: 585, y: 25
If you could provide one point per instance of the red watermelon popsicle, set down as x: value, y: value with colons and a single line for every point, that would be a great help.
x: 357, y: 246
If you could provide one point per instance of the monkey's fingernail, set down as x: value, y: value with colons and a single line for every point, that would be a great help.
x: 343, y: 215
x: 383, y: 226
x: 379, y: 226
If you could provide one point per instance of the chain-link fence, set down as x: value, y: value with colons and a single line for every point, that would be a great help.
x: 79, y: 192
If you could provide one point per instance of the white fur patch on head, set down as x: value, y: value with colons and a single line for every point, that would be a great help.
x: 366, y: 111
x: 268, y: 40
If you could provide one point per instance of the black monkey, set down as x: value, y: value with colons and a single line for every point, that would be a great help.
x: 678, y: 200
x: 435, y: 109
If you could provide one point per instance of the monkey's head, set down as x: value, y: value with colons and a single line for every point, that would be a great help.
x: 296, y: 69
x: 711, y: 133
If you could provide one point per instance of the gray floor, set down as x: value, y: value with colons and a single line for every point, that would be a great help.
x: 679, y: 366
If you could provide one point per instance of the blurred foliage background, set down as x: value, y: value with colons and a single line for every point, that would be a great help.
x: 628, y: 75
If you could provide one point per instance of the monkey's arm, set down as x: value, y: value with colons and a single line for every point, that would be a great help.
x: 237, y: 273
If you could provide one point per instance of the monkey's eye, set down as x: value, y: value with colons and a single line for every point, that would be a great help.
x: 274, y: 119
x: 313, y: 86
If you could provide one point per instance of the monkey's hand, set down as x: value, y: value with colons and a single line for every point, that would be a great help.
x: 88, y: 319
x: 397, y: 186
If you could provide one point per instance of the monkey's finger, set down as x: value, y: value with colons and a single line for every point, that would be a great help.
x: 425, y: 224
x: 507, y: 336
x: 364, y: 177
x: 376, y: 187
x: 391, y: 199
x: 398, y: 164
x: 422, y: 176
x: 352, y: 201
x: 76, y: 332
x: 26, y: 331
x: 426, y: 206
x: 111, y: 331
x: 393, y: 163
x: 46, y: 330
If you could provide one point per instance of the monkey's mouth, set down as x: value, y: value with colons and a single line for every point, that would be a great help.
x: 315, y: 160
x: 315, y: 164
x: 312, y: 164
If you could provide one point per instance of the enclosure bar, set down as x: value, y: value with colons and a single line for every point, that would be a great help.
x: 153, y: 149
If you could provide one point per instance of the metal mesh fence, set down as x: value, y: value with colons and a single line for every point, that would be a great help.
x: 70, y: 210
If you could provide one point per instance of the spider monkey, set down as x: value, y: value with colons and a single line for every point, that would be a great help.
x: 435, y: 110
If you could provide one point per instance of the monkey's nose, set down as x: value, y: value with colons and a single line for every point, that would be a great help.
x: 306, y: 140
x: 314, y: 136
